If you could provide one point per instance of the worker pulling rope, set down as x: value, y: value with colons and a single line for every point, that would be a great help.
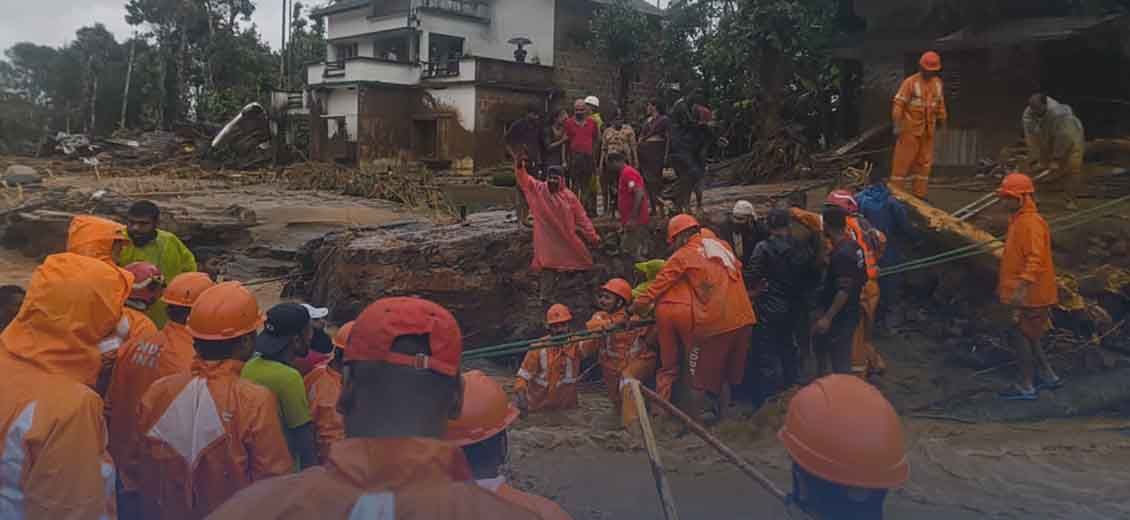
x: 523, y: 346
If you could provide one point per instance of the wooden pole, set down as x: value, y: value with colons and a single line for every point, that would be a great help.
x: 713, y: 441
x: 665, y: 496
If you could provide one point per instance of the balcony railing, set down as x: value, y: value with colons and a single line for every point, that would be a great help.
x: 471, y: 8
x: 440, y: 69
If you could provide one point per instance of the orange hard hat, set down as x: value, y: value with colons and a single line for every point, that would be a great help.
x: 1017, y: 185
x: 678, y: 224
x: 486, y: 411
x: 930, y: 61
x: 224, y: 311
x: 872, y: 456
x: 844, y: 200
x: 341, y: 339
x: 620, y: 287
x: 186, y: 288
x: 558, y: 313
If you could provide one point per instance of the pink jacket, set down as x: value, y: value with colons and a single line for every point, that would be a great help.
x: 560, y: 222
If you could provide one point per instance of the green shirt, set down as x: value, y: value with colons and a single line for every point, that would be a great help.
x: 286, y: 383
x: 170, y: 255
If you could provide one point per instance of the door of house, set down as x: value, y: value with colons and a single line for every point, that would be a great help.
x: 425, y: 138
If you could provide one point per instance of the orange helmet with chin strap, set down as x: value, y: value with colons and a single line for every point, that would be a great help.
x: 678, y: 224
x: 557, y: 314
x: 620, y: 287
x: 1016, y: 185
x: 486, y: 411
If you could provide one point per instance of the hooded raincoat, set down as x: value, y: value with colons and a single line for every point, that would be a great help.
x: 139, y: 365
x: 1028, y: 258
x: 560, y: 223
x: 53, y: 458
x: 205, y: 436
x: 394, y: 479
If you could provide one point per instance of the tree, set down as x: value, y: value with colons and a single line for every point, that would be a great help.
x: 621, y: 34
x: 28, y: 70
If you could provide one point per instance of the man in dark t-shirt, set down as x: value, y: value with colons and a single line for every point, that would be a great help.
x: 839, y: 298
x: 525, y: 135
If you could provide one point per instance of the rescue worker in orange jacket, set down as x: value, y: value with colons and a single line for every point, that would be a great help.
x: 139, y: 364
x: 547, y: 379
x: 836, y: 474
x: 400, y: 387
x: 918, y: 107
x: 208, y: 433
x: 721, y: 312
x: 104, y: 239
x: 164, y: 353
x: 624, y: 356
x: 481, y: 430
x: 1027, y: 284
x: 323, y: 388
x: 53, y: 458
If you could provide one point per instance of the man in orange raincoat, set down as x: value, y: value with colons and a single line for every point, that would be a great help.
x: 208, y: 433
x: 139, y: 365
x: 918, y: 107
x: 1027, y: 284
x: 561, y: 227
x: 103, y: 240
x: 323, y: 389
x: 401, y: 386
x: 721, y: 312
x: 624, y: 356
x: 53, y: 458
x: 547, y: 379
x: 481, y: 430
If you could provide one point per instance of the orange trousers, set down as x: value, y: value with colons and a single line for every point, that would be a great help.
x: 913, y: 160
x: 676, y: 326
x: 864, y: 358
x: 616, y: 377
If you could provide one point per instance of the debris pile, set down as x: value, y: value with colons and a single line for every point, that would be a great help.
x: 413, y: 188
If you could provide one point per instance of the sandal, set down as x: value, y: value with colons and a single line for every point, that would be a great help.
x: 1015, y: 393
x: 1048, y: 384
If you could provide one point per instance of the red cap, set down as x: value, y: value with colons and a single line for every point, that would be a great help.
x: 386, y: 319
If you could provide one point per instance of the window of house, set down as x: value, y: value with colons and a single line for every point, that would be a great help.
x: 393, y: 49
x: 443, y: 48
x: 344, y: 51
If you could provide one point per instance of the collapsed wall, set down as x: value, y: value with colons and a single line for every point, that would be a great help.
x: 480, y: 269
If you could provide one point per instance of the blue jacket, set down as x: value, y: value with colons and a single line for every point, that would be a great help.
x: 888, y: 215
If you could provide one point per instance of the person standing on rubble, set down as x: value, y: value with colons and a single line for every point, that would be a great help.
x: 54, y: 460
x: 583, y: 132
x: 837, y: 474
x: 839, y: 300
x: 918, y: 107
x: 1027, y: 284
x: 547, y: 379
x: 743, y: 230
x: 1055, y: 140
x: 561, y: 228
x: 688, y: 140
x: 632, y: 200
x: 888, y: 215
x: 401, y: 385
x: 720, y: 311
x: 654, y: 143
x: 481, y: 431
x: 156, y: 246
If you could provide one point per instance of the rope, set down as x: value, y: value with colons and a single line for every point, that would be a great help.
x: 520, y: 347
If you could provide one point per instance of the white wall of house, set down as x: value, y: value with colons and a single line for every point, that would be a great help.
x: 342, y: 102
x: 532, y: 19
x: 357, y: 21
x: 462, y: 99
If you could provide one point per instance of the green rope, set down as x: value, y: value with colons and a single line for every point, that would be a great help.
x: 519, y: 347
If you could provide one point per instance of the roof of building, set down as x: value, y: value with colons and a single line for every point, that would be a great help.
x: 1011, y: 32
x: 346, y: 5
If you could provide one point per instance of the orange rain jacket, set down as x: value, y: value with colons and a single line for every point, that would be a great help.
x: 140, y: 364
x: 1028, y: 257
x: 720, y: 302
x: 560, y: 222
x: 53, y: 459
x: 618, y: 351
x: 323, y: 388
x: 548, y: 377
x: 206, y: 435
x: 406, y: 479
x: 919, y: 105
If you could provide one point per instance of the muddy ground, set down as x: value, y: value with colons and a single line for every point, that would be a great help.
x: 1072, y: 468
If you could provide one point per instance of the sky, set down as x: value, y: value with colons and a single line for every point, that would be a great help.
x: 54, y: 22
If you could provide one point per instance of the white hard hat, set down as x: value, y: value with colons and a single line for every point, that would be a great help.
x: 744, y: 209
x: 592, y: 100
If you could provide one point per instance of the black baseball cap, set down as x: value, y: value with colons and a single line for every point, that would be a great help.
x: 779, y: 218
x: 284, y: 321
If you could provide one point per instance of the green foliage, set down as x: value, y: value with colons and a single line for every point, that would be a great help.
x: 621, y: 35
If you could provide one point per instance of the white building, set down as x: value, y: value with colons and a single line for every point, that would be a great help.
x: 431, y: 79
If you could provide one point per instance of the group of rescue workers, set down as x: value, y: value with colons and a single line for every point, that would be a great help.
x: 135, y: 386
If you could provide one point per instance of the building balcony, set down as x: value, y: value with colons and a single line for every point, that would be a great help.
x: 447, y: 71
x: 477, y: 10
x: 363, y: 69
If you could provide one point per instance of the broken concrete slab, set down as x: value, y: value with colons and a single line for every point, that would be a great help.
x: 20, y: 175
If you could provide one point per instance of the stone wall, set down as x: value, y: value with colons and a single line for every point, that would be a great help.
x: 480, y: 269
x: 497, y: 109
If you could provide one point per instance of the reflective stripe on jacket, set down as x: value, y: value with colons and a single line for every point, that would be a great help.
x: 919, y: 105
